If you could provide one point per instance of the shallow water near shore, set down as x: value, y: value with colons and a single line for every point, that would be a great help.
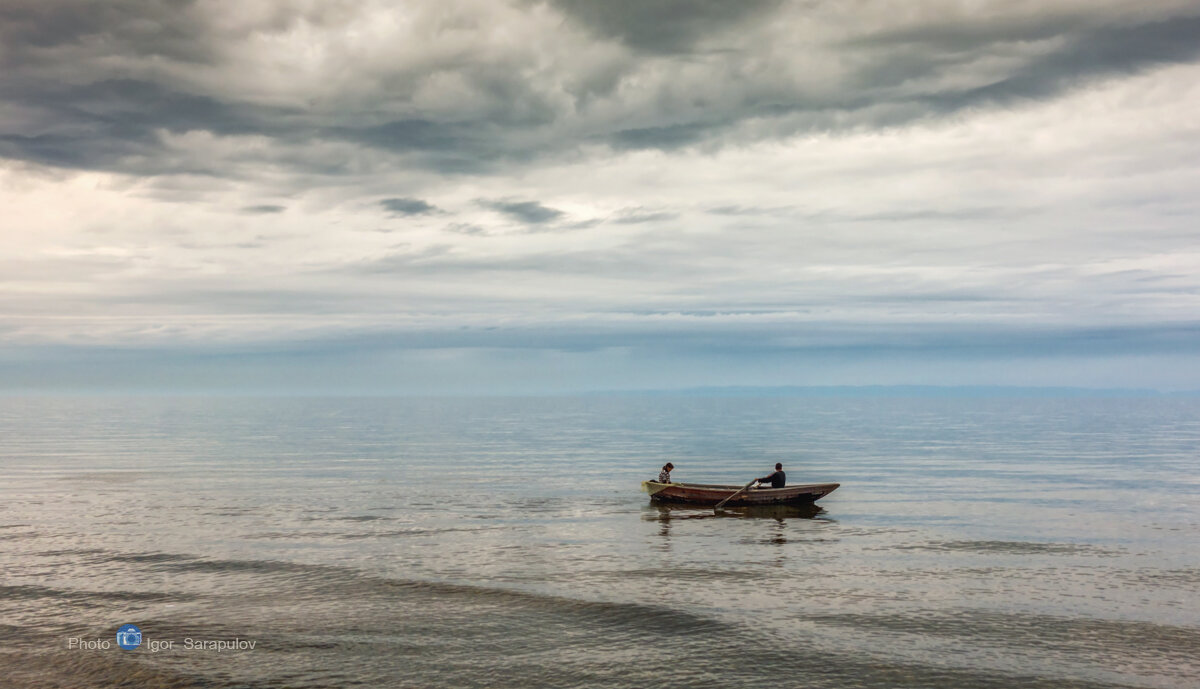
x: 504, y: 542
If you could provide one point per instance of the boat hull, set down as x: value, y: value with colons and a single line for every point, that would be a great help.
x: 706, y: 494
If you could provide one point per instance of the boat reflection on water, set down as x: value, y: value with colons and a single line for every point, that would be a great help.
x: 774, y: 517
x: 667, y: 511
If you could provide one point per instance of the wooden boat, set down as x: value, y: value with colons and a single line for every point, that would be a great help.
x: 709, y: 494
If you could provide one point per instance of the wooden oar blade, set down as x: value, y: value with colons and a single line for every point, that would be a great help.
x: 722, y: 503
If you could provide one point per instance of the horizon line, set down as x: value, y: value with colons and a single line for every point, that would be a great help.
x: 867, y: 390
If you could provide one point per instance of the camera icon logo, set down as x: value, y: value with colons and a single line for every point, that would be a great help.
x: 129, y: 637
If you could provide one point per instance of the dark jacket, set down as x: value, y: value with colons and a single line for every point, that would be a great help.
x: 778, y: 479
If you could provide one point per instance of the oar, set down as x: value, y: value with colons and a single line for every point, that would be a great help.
x: 719, y: 504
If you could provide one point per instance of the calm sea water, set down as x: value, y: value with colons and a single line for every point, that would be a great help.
x: 504, y: 543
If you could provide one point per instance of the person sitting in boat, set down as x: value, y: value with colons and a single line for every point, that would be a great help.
x: 664, y: 476
x: 777, y: 478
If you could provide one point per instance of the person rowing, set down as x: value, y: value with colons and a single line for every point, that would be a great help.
x: 777, y: 478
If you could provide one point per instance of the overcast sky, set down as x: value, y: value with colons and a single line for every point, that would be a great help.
x: 453, y: 196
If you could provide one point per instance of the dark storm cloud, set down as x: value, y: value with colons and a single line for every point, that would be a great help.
x: 408, y: 206
x: 443, y: 146
x: 1096, y: 54
x: 94, y: 85
x: 897, y: 58
x: 145, y: 27
x: 528, y: 212
x: 69, y: 70
x: 665, y: 138
x: 115, y: 123
x: 663, y: 26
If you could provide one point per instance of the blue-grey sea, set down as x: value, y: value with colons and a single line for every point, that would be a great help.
x: 502, y: 542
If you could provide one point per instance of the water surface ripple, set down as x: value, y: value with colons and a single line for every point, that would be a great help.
x: 504, y: 543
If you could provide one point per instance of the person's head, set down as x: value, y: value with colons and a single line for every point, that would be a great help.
x: 668, y: 466
x: 778, y: 466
